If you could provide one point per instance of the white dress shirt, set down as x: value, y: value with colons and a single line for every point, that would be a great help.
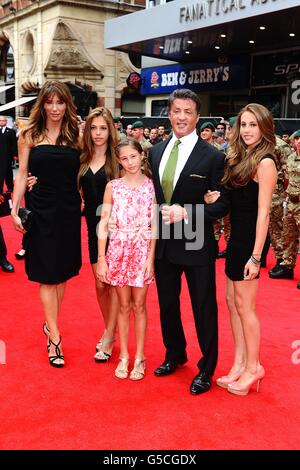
x: 3, y: 129
x: 187, y: 143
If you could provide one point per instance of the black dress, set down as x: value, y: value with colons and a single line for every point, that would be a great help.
x: 93, y: 187
x: 53, y: 245
x: 243, y: 216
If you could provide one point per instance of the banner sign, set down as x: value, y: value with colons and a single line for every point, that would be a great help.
x: 196, y: 77
x: 276, y: 69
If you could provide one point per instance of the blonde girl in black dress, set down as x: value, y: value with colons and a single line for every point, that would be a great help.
x: 250, y: 173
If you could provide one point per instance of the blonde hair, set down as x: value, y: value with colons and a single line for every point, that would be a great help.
x: 111, y: 166
x: 35, y: 131
x: 241, y: 163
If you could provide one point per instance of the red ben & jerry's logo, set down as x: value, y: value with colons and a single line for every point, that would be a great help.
x: 134, y: 80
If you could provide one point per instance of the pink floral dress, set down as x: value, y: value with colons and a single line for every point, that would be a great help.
x: 129, y: 243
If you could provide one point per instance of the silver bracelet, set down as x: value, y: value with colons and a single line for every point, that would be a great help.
x: 254, y: 261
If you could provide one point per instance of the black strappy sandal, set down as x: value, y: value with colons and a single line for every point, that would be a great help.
x: 58, y: 355
x: 46, y: 332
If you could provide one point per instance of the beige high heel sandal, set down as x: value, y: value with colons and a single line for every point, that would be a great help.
x: 137, y: 373
x: 122, y: 369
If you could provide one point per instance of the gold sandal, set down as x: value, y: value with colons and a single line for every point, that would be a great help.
x: 122, y: 369
x: 136, y: 374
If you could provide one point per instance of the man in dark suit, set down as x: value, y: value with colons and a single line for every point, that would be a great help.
x: 186, y: 239
x: 4, y: 263
x: 8, y: 150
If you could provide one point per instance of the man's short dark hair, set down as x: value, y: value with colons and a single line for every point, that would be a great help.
x: 221, y: 124
x: 184, y: 94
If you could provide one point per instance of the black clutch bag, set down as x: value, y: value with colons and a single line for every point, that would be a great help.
x: 6, y: 205
x: 26, y: 218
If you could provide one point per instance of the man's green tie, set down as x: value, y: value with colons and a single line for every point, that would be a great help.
x: 169, y: 172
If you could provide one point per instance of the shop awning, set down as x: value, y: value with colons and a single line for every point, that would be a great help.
x: 191, y: 30
x: 5, y: 87
x: 15, y: 103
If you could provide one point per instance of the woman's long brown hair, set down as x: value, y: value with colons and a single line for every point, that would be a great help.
x: 111, y: 166
x: 241, y: 163
x: 35, y: 132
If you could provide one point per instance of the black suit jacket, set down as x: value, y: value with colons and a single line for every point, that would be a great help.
x: 8, y: 150
x: 204, y: 170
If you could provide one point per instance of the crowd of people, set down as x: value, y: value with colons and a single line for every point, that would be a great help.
x: 144, y: 192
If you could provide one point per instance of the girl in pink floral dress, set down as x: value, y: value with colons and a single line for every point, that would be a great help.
x: 129, y: 262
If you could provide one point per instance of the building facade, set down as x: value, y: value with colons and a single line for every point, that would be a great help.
x: 230, y: 52
x: 63, y: 39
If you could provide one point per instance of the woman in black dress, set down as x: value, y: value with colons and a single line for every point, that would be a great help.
x: 99, y: 165
x: 49, y: 149
x: 250, y: 172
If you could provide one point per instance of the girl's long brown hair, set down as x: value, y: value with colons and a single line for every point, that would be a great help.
x: 36, y: 131
x: 111, y: 166
x: 134, y: 144
x: 241, y: 163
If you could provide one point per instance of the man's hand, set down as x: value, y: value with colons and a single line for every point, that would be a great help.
x: 173, y: 214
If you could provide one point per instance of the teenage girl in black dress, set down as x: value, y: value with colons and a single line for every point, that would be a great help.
x: 98, y: 166
x: 250, y: 172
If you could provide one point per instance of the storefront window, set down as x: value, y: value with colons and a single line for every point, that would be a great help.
x: 7, y: 66
x: 227, y: 105
x: 159, y: 108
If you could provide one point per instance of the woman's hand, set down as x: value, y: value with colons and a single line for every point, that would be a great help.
x: 1, y: 198
x: 148, y: 269
x: 211, y: 196
x: 102, y: 270
x: 112, y: 225
x: 31, y: 181
x: 250, y: 271
x: 17, y: 223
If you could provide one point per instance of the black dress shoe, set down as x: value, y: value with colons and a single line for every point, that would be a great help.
x: 201, y: 384
x: 282, y: 273
x: 168, y: 367
x: 6, y: 266
x: 276, y: 267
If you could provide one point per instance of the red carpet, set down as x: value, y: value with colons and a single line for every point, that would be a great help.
x: 83, y: 406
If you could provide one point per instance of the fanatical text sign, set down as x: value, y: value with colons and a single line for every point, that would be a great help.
x: 209, y: 8
x: 185, y: 15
